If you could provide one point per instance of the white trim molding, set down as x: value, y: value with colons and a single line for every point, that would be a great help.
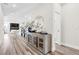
x: 72, y: 46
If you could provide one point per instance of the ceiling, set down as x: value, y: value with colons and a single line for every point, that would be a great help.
x: 19, y: 8
x: 9, y: 8
x: 19, y: 12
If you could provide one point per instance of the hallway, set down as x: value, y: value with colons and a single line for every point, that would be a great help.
x: 17, y: 45
x: 13, y: 46
x: 25, y: 18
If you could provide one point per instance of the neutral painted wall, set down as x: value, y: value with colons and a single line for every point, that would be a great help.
x: 57, y: 23
x: 70, y: 25
x: 1, y: 26
x: 41, y: 10
x: 44, y: 10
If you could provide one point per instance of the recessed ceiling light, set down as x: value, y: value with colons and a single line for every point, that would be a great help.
x: 13, y: 5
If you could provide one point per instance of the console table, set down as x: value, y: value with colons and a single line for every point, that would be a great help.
x: 42, y: 42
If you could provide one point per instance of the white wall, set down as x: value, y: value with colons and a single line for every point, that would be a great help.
x: 41, y: 10
x: 70, y: 25
x: 44, y: 10
x: 57, y: 23
x: 1, y: 26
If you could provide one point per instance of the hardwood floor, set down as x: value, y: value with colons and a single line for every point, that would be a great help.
x: 16, y: 45
x: 64, y: 50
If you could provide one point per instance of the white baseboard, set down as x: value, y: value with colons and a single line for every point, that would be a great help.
x: 72, y: 46
x: 58, y: 43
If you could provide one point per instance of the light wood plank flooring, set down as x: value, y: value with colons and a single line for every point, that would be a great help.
x: 13, y: 45
x: 64, y: 50
x: 17, y: 45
